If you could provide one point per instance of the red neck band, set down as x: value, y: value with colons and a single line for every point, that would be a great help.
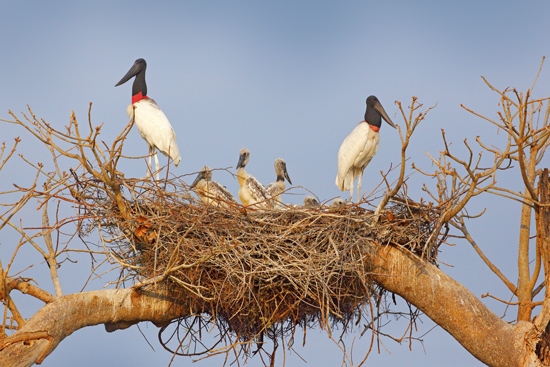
x: 138, y: 97
x: 374, y: 128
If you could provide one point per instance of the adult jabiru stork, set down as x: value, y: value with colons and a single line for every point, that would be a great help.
x: 151, y: 122
x: 360, y: 146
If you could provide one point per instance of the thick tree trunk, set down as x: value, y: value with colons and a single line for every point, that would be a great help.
x: 453, y: 307
x: 117, y: 308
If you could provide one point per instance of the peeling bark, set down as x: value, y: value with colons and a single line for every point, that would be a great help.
x: 543, y: 240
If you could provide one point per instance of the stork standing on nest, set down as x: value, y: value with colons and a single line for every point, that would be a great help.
x: 211, y: 192
x: 251, y: 191
x: 151, y: 122
x: 275, y: 189
x: 360, y: 146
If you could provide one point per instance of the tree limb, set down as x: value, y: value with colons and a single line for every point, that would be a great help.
x: 462, y: 227
x: 450, y: 305
x: 72, y: 312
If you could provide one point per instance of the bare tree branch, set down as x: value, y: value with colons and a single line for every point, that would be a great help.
x: 459, y: 224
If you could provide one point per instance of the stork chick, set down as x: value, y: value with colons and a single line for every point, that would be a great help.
x: 275, y: 189
x: 251, y: 191
x: 211, y: 192
x: 311, y: 203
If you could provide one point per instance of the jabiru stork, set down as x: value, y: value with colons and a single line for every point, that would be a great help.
x: 151, y: 122
x: 360, y: 146
x: 251, y: 191
x: 275, y: 189
x: 311, y: 203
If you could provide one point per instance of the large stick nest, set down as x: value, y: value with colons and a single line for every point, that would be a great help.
x: 250, y: 270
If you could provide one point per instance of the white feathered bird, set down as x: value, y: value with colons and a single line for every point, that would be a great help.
x: 360, y: 146
x: 251, y: 191
x: 151, y: 122
x: 275, y: 189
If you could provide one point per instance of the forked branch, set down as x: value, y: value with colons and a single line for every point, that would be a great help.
x: 411, y: 123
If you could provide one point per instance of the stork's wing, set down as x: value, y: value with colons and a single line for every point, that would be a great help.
x: 256, y: 189
x: 272, y: 190
x: 351, y: 152
x: 155, y: 128
x: 221, y: 192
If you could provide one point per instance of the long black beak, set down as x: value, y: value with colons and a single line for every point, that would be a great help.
x: 241, y: 161
x: 200, y: 176
x: 134, y: 70
x: 287, y: 176
x: 378, y: 107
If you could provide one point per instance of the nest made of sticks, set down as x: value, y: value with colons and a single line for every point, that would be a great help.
x: 252, y: 269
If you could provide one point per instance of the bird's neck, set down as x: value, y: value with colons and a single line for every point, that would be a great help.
x: 241, y: 175
x: 280, y: 184
x: 139, y: 89
x: 373, y: 118
x: 374, y: 128
x: 280, y: 178
x: 138, y: 97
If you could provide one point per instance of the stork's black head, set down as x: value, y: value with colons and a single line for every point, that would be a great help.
x: 137, y: 70
x: 375, y: 113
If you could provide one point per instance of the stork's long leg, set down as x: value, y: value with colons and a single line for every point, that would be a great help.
x: 157, y: 164
x: 359, y: 186
x: 149, y: 167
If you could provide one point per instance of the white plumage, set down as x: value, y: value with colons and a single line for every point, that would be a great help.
x: 275, y: 189
x: 155, y: 129
x: 211, y: 192
x: 354, y: 155
x: 151, y: 122
x: 359, y: 147
x: 251, y: 191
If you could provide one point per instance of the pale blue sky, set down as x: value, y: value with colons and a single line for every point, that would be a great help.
x: 285, y: 79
